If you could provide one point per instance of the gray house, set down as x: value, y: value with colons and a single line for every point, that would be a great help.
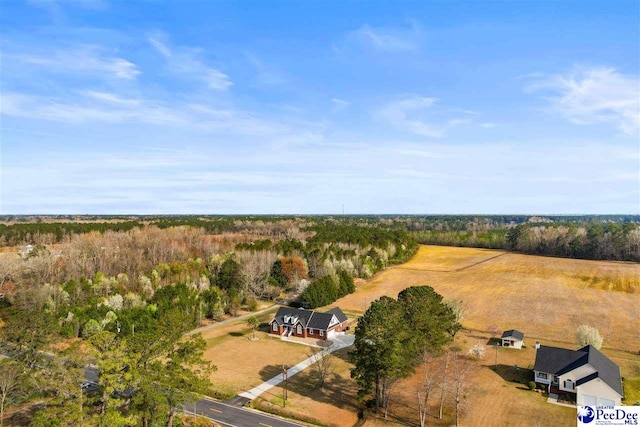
x: 586, y: 375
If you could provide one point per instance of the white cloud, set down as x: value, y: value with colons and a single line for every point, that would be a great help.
x: 458, y: 122
x: 110, y: 98
x: 265, y: 74
x: 339, y: 104
x: 160, y: 46
x: 104, y: 107
x: 402, y: 114
x: 80, y: 60
x: 594, y: 95
x: 388, y: 39
x: 189, y: 63
x: 488, y: 125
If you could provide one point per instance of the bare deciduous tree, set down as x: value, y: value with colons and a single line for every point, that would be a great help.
x: 323, y: 365
x: 432, y: 376
x: 10, y: 382
x: 461, y: 369
x: 443, y: 386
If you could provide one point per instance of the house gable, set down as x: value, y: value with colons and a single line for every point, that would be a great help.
x: 578, y: 366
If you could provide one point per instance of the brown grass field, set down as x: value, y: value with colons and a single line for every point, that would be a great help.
x: 242, y: 363
x: 546, y: 298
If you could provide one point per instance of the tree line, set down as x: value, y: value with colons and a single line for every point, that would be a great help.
x: 606, y: 237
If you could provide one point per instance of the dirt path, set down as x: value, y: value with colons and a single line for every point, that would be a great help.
x: 233, y: 319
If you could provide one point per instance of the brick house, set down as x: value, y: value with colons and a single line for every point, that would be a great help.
x: 300, y: 322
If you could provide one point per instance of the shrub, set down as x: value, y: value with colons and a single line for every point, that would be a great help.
x: 91, y: 328
x: 252, y: 304
x: 532, y: 385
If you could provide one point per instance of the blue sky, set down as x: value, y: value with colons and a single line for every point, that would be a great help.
x: 218, y: 107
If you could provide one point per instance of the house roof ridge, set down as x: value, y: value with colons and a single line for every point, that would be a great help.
x: 309, y: 319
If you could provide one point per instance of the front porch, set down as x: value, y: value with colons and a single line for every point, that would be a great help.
x: 561, y: 397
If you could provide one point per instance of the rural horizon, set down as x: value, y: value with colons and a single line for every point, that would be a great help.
x: 319, y: 213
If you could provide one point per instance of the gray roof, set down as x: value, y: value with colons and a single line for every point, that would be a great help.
x: 309, y: 318
x: 303, y: 315
x: 559, y: 361
x: 339, y: 314
x: 513, y: 333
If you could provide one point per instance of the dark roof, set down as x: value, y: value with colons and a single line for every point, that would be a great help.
x: 320, y: 320
x: 553, y: 359
x: 303, y: 315
x: 513, y: 333
x: 309, y: 318
x: 558, y: 361
x: 608, y: 371
x: 339, y: 314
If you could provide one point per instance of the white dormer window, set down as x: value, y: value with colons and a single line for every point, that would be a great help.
x: 274, y: 326
x: 568, y: 384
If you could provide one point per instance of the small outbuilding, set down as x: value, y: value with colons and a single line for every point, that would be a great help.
x: 512, y: 338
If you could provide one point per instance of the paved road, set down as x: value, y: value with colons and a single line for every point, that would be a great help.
x: 233, y: 416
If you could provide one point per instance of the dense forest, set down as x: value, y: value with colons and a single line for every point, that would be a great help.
x: 598, y: 237
x: 121, y: 294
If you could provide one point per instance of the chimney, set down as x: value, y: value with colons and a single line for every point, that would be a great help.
x: 537, y: 345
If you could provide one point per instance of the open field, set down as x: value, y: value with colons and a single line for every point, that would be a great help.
x: 546, y: 298
x: 242, y: 363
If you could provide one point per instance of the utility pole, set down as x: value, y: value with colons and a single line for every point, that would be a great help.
x: 81, y: 391
x: 496, y: 365
x: 284, y: 388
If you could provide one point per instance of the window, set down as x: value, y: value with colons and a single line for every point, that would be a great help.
x: 607, y: 402
x: 568, y: 384
x: 311, y: 331
x: 321, y: 333
x: 588, y: 400
x: 299, y: 329
x: 274, y: 326
x: 542, y: 375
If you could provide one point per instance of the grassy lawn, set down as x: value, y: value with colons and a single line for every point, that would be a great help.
x: 334, y: 404
x: 546, y: 298
x: 242, y: 363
